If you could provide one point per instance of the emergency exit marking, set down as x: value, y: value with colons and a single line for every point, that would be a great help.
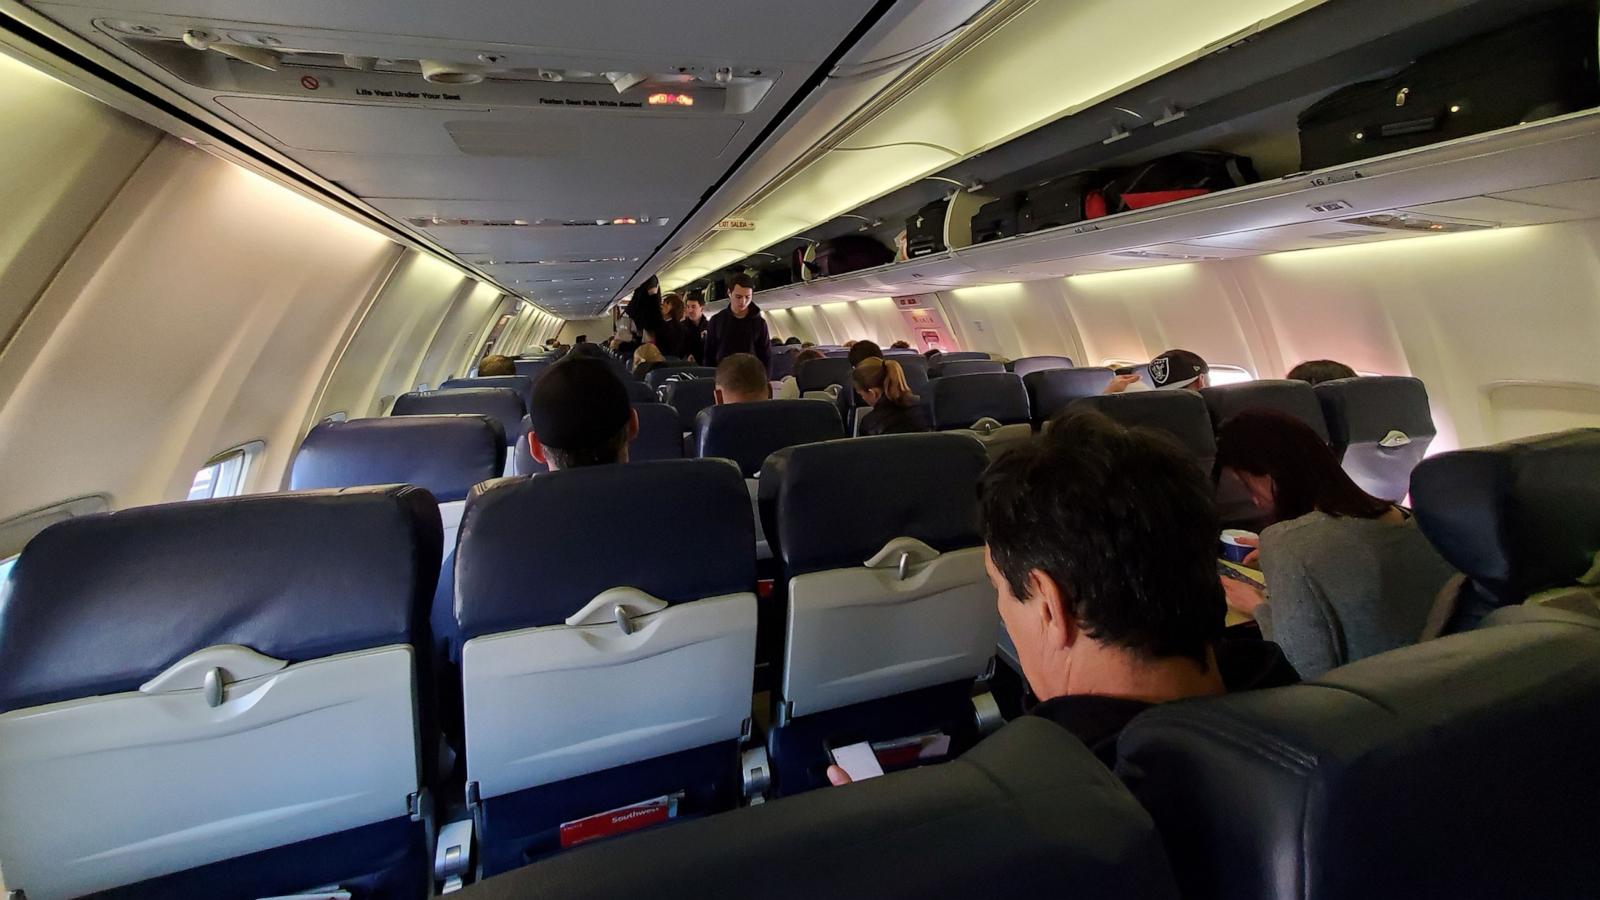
x: 735, y: 224
x: 310, y: 82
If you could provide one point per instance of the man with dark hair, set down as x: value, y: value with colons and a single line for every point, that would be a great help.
x: 1316, y: 371
x: 1101, y: 542
x: 495, y: 364
x: 581, y: 415
x: 739, y: 328
x: 741, y: 378
x: 861, y: 351
x: 695, y: 322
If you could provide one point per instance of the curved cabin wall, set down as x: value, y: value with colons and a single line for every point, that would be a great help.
x: 164, y: 305
x: 1501, y: 325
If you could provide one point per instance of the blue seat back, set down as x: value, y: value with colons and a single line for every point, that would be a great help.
x: 1381, y: 427
x: 522, y: 384
x: 502, y: 404
x: 1292, y: 398
x: 1050, y: 390
x: 1030, y: 364
x: 688, y: 398
x: 661, y: 374
x: 1180, y: 413
x: 638, y: 391
x: 446, y: 455
x: 959, y: 401
x: 660, y: 434
x: 748, y: 433
x: 955, y: 367
x: 817, y: 374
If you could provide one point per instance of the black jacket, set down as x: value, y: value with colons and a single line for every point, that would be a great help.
x: 728, y: 334
x: 1098, y: 721
x: 645, y: 310
x: 674, y: 338
x: 888, y: 417
x: 696, y: 332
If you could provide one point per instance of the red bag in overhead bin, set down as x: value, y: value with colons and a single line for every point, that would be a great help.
x: 1178, y: 177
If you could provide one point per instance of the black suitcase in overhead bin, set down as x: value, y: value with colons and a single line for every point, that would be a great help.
x: 1541, y: 67
x: 1064, y: 201
x: 1177, y: 177
x: 850, y: 253
x: 925, y: 230
x: 999, y: 219
x: 774, y: 274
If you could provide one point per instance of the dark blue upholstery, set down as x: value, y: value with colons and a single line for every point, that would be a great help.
x: 1180, y: 413
x: 660, y: 436
x: 960, y: 400
x: 1293, y: 398
x: 638, y: 391
x: 533, y: 368
x: 840, y: 353
x: 835, y: 504
x: 748, y: 433
x: 503, y: 404
x: 1517, y: 518
x: 1459, y: 767
x: 954, y: 367
x: 522, y: 384
x: 522, y: 453
x: 1050, y: 390
x: 782, y: 364
x: 658, y: 376
x: 534, y: 551
x: 101, y: 604
x: 447, y: 455
x: 817, y: 374
x: 1380, y: 426
x: 959, y: 355
x: 916, y: 369
x: 687, y: 398
x: 1029, y: 364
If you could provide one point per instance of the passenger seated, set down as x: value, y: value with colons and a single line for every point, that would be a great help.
x: 646, y: 359
x: 1348, y: 575
x: 1101, y: 542
x: 581, y: 416
x: 1317, y: 371
x: 861, y: 351
x: 899, y: 345
x: 1171, y: 371
x: 495, y: 364
x: 741, y: 378
x: 893, y: 408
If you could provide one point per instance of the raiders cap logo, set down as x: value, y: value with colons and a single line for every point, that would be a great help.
x: 1160, y: 368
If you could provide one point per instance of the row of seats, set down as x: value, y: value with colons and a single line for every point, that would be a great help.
x: 288, y: 638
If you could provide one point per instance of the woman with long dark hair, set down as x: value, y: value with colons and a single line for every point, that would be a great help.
x: 672, y: 334
x: 882, y: 385
x: 1348, y: 574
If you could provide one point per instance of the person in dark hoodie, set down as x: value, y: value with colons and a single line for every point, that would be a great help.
x: 645, y: 309
x: 740, y: 328
x: 1101, y: 543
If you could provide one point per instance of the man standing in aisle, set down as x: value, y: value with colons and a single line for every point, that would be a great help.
x: 739, y: 328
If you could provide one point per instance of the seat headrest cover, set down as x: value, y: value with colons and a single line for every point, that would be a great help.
x: 446, y: 455
x: 833, y: 505
x: 1180, y: 413
x: 522, y: 384
x: 1517, y: 518
x: 1294, y: 398
x: 817, y: 374
x: 959, y: 355
x: 101, y: 604
x: 660, y: 437
x: 638, y: 391
x: 951, y: 368
x: 1369, y: 408
x: 533, y: 368
x: 534, y: 551
x: 1050, y: 390
x: 1458, y: 767
x: 1030, y: 364
x: 687, y: 398
x: 503, y: 404
x: 748, y: 433
x: 960, y: 400
x: 1021, y: 815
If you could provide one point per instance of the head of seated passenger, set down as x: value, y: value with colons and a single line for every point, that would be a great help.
x: 1316, y: 371
x: 882, y: 386
x: 848, y: 344
x: 900, y: 345
x: 864, y: 350
x: 645, y: 358
x: 1170, y: 371
x: 495, y: 364
x: 581, y: 416
x: 741, y: 378
x: 808, y: 345
x: 791, y: 341
x: 1101, y: 541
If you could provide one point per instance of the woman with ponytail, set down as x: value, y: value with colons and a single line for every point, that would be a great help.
x: 881, y: 384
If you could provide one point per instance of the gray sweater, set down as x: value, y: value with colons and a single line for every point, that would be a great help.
x: 1340, y: 589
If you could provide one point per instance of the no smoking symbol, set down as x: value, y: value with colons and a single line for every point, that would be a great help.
x: 310, y: 82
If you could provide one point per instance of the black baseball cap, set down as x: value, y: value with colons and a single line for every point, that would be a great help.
x: 578, y: 402
x: 1177, y: 369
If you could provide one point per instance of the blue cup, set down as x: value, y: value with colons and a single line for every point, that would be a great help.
x: 1232, y: 550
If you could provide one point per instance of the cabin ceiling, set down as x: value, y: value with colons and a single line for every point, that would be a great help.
x: 543, y: 175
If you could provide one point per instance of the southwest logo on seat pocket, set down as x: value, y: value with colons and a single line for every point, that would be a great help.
x: 1394, y: 439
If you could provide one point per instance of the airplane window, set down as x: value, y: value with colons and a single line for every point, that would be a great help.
x: 1228, y: 375
x: 340, y: 416
x: 6, y: 564
x: 224, y: 475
